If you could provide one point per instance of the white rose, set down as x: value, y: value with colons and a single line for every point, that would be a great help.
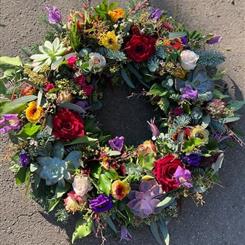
x: 81, y: 185
x: 96, y: 62
x: 188, y: 60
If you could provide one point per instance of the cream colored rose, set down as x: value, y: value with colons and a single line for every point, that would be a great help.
x: 81, y: 185
x: 188, y: 60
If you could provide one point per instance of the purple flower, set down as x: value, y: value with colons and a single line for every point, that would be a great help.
x: 125, y: 235
x: 100, y: 204
x: 184, y: 40
x: 117, y: 143
x: 156, y: 14
x: 24, y: 159
x: 9, y: 122
x: 183, y: 177
x: 83, y: 104
x: 193, y: 159
x: 188, y: 93
x: 214, y: 40
x: 154, y: 129
x: 144, y: 202
x: 54, y: 15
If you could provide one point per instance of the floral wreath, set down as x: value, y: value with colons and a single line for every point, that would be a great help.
x: 71, y: 165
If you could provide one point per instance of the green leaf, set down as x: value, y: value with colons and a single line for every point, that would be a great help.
x: 104, y: 184
x: 82, y: 140
x: 22, y: 176
x: 61, y: 190
x: 166, y: 202
x: 33, y: 167
x: 236, y: 105
x: 229, y: 119
x: 219, y: 95
x: 163, y: 104
x: 112, y: 174
x: 83, y: 229
x: 6, y: 62
x: 126, y: 78
x: 164, y: 230
x: 52, y: 203
x: 147, y: 161
x: 111, y: 224
x: 157, y: 90
x: 155, y: 231
x: 73, y: 107
x: 114, y: 153
x: 173, y: 35
x: 29, y: 130
x: 17, y: 105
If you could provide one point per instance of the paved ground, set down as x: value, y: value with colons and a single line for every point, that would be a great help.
x: 222, y: 220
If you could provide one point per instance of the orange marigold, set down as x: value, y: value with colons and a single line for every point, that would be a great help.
x: 33, y: 112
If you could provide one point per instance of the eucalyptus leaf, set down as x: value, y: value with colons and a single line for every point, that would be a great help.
x: 167, y: 201
x: 72, y: 106
x: 126, y: 78
x: 164, y: 230
x: 155, y: 231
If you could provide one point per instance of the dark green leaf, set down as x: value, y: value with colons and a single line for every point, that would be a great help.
x: 126, y: 78
x: 111, y: 224
x: 236, y: 105
x: 164, y: 231
x: 155, y: 231
x: 82, y: 140
x: 73, y: 107
x: 22, y: 176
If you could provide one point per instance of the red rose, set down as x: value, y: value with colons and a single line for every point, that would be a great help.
x: 67, y: 125
x: 140, y: 48
x: 164, y: 170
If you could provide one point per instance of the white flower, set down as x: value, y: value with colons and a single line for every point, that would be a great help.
x: 96, y: 62
x: 81, y: 185
x: 188, y: 60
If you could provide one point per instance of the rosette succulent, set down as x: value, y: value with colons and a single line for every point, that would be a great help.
x: 52, y: 54
x: 144, y: 202
x: 55, y: 170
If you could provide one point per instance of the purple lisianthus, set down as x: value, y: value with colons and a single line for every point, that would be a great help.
x: 183, y: 177
x: 184, y: 40
x: 125, y: 235
x: 156, y: 14
x: 24, y: 159
x: 117, y: 143
x: 9, y: 122
x: 154, y: 129
x: 188, y: 93
x: 193, y: 159
x: 100, y: 204
x: 83, y: 104
x: 214, y: 40
x: 54, y: 15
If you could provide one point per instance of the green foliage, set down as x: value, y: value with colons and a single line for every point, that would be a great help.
x: 29, y: 130
x: 104, y: 184
x: 103, y: 8
x: 17, y: 105
x: 236, y: 105
x: 9, y: 62
x: 83, y: 229
x: 160, y: 232
x: 22, y: 176
x: 147, y: 161
x: 127, y: 79
x: 167, y: 201
x: 82, y: 140
x: 74, y: 35
x: 210, y: 58
x: 157, y: 90
x: 191, y: 144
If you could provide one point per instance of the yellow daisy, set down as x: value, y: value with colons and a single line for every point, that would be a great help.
x: 109, y: 40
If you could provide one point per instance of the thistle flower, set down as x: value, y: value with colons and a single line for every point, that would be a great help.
x: 117, y: 143
x: 109, y: 40
x: 125, y: 235
x: 34, y: 112
x: 154, y: 129
x: 156, y: 14
x: 116, y: 14
x: 54, y: 15
x: 200, y: 133
x: 9, y: 122
x: 120, y: 189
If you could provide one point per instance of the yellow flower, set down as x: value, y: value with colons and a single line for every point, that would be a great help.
x: 148, y: 147
x: 200, y: 133
x: 109, y: 40
x: 120, y: 189
x: 116, y: 14
x: 179, y: 73
x: 34, y: 112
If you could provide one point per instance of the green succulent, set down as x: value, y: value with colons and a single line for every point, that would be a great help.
x: 52, y: 54
x: 56, y: 170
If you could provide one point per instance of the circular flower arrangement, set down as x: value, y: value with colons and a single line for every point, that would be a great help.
x: 71, y: 165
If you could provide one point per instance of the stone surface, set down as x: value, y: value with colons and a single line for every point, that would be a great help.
x: 222, y: 219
